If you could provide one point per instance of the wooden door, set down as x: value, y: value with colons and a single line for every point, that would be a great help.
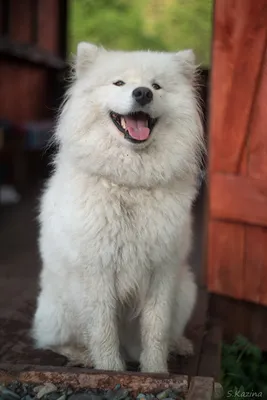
x: 237, y: 225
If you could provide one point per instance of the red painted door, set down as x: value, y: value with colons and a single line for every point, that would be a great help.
x: 237, y: 226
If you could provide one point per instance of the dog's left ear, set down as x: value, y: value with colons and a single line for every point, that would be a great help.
x: 86, y: 55
x: 187, y: 63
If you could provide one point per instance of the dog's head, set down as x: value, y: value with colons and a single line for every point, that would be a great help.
x: 132, y: 117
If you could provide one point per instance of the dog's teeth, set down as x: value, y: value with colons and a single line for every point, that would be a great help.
x: 123, y: 124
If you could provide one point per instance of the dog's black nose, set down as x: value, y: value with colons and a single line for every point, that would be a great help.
x: 143, y: 95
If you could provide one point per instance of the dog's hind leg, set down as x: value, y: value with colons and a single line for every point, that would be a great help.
x: 185, y: 302
x: 77, y: 356
x: 53, y: 329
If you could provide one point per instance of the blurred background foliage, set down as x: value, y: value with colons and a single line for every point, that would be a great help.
x: 167, y: 25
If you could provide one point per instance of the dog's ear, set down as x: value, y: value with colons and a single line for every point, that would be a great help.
x: 187, y: 63
x: 86, y: 55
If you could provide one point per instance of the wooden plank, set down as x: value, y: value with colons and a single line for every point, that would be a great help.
x: 253, y: 158
x: 226, y: 12
x: 243, y: 167
x: 256, y: 323
x: 204, y: 258
x: 200, y: 389
x: 255, y: 268
x: 257, y: 165
x: 210, y: 359
x: 240, y: 317
x: 231, y: 312
x: 249, y: 49
x: 198, y: 255
x: 31, y: 54
x: 255, y: 279
x: 226, y: 258
x: 63, y: 34
x: 238, y: 199
x: 93, y: 379
x: 20, y: 18
x: 31, y: 86
x: 246, y: 71
x: 48, y: 39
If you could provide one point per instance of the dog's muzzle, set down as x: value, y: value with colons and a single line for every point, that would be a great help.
x: 136, y: 127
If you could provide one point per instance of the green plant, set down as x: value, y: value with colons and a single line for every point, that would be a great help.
x: 167, y: 25
x: 244, y: 369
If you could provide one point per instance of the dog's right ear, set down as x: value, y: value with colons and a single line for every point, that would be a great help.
x: 187, y: 63
x: 86, y: 55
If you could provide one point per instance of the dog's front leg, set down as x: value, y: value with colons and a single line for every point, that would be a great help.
x: 156, y: 323
x: 103, y: 330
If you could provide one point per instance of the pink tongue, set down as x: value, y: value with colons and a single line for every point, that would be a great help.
x: 137, y: 128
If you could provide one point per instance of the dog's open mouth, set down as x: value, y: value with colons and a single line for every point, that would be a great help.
x: 136, y: 127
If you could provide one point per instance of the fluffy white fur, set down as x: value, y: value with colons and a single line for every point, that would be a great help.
x: 116, y: 217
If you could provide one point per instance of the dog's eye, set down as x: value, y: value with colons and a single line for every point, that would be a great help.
x: 156, y: 86
x: 119, y: 83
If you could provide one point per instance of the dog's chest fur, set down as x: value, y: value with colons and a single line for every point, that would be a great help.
x: 128, y: 231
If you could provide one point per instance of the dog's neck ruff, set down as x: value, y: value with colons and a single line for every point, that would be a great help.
x: 109, y: 184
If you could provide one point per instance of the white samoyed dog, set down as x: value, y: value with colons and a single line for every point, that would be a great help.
x: 115, y: 216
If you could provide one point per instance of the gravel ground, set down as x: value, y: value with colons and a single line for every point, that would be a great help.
x: 48, y: 391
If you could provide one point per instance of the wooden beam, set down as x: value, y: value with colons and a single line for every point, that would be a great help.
x: 201, y: 389
x: 63, y: 28
x: 240, y: 317
x: 226, y: 258
x: 29, y: 53
x: 238, y: 199
x: 210, y: 359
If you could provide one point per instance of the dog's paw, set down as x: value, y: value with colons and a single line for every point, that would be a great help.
x: 76, y: 356
x: 111, y: 364
x: 153, y: 361
x: 184, y: 347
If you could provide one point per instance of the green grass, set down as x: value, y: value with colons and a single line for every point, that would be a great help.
x: 244, y: 370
